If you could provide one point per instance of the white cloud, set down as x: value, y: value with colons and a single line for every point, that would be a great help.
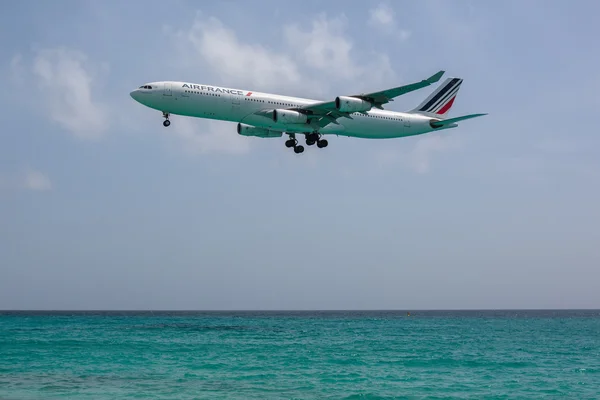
x: 66, y: 82
x: 382, y: 15
x: 27, y: 179
x: 37, y: 181
x: 234, y: 61
x: 325, y: 47
x: 383, y: 19
x: 312, y: 58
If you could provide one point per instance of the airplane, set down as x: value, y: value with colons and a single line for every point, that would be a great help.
x: 268, y: 115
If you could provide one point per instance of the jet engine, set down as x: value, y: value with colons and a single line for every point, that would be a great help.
x: 249, y: 130
x: 352, y: 104
x: 289, y: 117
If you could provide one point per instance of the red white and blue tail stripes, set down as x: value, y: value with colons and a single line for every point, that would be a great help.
x: 440, y: 101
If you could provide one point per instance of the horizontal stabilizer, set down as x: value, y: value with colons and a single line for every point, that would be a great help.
x: 450, y: 121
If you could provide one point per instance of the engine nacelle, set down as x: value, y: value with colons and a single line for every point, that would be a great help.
x: 289, y: 117
x: 352, y: 104
x: 249, y: 130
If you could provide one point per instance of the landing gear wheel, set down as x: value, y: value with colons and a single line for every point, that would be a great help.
x: 309, y: 142
x: 290, y: 143
x: 298, y: 149
x: 166, y: 122
x: 322, y: 143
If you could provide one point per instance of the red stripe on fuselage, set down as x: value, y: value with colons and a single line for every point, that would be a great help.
x: 249, y: 93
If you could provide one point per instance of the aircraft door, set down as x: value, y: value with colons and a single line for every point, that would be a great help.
x: 407, y: 121
x: 235, y: 102
x: 167, y: 89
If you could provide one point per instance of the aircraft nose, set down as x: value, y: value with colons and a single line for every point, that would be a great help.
x: 134, y: 94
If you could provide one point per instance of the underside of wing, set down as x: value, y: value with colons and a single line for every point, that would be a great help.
x: 317, y: 114
x: 323, y: 113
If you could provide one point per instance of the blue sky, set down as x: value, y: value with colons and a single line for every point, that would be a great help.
x: 103, y: 208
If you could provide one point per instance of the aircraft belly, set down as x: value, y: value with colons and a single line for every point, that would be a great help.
x: 368, y: 129
x: 262, y: 121
x: 268, y: 123
x: 372, y: 129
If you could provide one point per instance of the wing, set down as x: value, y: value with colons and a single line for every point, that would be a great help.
x: 324, y: 113
x: 385, y: 96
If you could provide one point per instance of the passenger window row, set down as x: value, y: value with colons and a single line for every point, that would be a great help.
x: 204, y: 93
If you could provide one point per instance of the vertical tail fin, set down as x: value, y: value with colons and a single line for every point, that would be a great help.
x: 439, y: 103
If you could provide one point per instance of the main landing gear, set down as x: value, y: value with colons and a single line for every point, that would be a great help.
x: 292, y: 142
x: 315, y: 137
x: 311, y: 138
x: 166, y: 122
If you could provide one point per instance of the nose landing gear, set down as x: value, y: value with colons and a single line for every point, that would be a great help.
x: 166, y: 122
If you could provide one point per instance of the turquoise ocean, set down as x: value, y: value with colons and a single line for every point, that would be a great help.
x: 300, y: 355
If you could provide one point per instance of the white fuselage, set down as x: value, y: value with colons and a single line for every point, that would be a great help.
x: 235, y: 105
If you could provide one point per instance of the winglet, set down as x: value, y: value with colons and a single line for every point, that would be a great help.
x: 435, y: 77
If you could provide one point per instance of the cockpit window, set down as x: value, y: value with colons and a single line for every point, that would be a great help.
x: 146, y: 87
